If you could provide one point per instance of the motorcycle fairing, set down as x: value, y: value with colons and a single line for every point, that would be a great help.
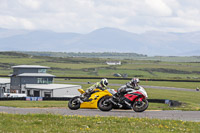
x: 130, y: 97
x: 81, y: 91
x: 95, y: 97
x: 133, y: 96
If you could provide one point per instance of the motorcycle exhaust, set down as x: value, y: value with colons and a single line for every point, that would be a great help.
x: 127, y: 103
x: 120, y: 105
x: 79, y: 100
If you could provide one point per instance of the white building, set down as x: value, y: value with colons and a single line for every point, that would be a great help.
x: 4, y: 86
x: 52, y: 90
x: 33, y: 81
x: 113, y: 62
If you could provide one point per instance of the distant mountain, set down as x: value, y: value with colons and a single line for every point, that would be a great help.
x: 102, y: 40
x: 8, y: 33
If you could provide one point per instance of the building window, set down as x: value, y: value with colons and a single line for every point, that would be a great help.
x: 28, y: 93
x: 44, y: 81
x: 42, y: 70
x: 47, y: 94
x: 36, y: 93
x: 39, y: 80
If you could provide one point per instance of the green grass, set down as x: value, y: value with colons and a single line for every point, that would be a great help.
x: 86, y: 67
x: 189, y: 100
x: 187, y: 85
x: 34, y: 104
x: 96, y: 124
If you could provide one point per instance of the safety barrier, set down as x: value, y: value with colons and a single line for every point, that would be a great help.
x: 171, y: 103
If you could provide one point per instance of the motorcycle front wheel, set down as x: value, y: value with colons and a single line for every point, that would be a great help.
x: 140, y: 106
x: 104, y: 104
x: 74, y: 103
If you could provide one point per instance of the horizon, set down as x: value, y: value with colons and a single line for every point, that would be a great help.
x: 155, y: 31
x: 25, y: 52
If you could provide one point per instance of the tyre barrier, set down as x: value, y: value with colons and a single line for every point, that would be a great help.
x: 171, y: 103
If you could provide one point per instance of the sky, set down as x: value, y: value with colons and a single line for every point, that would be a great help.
x: 84, y: 16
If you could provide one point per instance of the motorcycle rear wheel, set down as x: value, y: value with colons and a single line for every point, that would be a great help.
x: 104, y: 104
x: 140, y: 108
x: 74, y: 103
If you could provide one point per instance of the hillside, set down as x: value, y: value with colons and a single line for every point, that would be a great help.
x: 88, y: 55
x: 97, y: 67
x: 102, y: 40
x: 115, y: 55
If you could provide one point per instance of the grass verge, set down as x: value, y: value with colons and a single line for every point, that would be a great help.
x: 34, y: 104
x: 82, y: 124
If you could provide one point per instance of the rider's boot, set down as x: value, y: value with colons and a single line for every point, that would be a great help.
x: 116, y: 96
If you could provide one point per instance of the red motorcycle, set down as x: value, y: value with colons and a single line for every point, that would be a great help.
x: 133, y: 99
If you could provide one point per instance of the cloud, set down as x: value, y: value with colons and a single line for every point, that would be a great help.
x: 86, y: 15
x: 14, y: 22
x: 31, y: 4
x: 157, y: 8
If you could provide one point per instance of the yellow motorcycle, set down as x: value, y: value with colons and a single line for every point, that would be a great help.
x: 79, y: 102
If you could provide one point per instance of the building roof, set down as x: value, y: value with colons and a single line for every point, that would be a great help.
x: 49, y: 86
x: 35, y: 75
x: 113, y: 61
x: 4, y: 81
x: 30, y: 66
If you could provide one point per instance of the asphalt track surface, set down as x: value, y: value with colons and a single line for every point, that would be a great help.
x: 166, y: 115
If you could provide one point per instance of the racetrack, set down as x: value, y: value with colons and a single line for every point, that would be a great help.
x: 170, y: 114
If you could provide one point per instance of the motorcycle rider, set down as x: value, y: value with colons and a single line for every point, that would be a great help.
x: 102, y: 85
x: 129, y: 86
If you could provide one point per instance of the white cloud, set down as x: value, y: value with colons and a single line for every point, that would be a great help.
x: 157, y: 8
x: 86, y: 15
x: 31, y: 4
x: 15, y: 23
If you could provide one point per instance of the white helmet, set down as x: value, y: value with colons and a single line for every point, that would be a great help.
x: 104, y: 82
x: 135, y: 81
